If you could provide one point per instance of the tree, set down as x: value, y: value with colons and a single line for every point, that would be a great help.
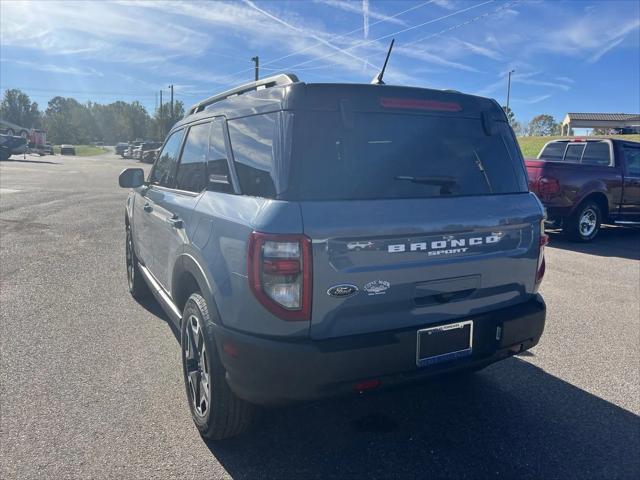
x: 17, y: 107
x: 163, y: 121
x: 542, y: 125
x: 511, y: 117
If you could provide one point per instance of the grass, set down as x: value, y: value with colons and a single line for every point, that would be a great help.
x: 83, y: 150
x: 531, y: 146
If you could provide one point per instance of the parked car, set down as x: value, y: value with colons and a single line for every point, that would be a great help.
x: 121, y: 147
x: 149, y: 156
x: 11, y: 145
x: 67, y: 150
x: 148, y: 146
x: 128, y: 153
x: 241, y: 232
x: 633, y: 130
x: 586, y: 182
x: 137, y: 153
x: 48, y: 149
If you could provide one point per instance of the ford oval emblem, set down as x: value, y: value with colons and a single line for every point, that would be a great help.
x: 344, y: 290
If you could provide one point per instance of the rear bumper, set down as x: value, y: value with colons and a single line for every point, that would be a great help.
x: 275, y: 372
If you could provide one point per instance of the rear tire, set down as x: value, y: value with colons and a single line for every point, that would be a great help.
x: 217, y: 412
x: 584, y: 224
x: 137, y: 285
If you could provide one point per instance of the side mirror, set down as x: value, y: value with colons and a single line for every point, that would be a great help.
x: 131, y: 178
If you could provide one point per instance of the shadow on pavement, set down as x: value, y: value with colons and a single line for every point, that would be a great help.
x: 151, y: 305
x: 30, y: 161
x: 512, y: 420
x: 612, y: 241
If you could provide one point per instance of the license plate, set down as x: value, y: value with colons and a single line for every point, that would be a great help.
x: 444, y: 343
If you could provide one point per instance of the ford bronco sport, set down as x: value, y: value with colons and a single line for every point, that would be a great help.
x: 313, y: 240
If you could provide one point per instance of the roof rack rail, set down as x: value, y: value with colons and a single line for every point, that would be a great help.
x: 276, y: 80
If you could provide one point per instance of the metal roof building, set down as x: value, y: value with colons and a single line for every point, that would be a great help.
x: 599, y: 120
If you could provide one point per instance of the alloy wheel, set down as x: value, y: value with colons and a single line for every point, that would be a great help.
x: 588, y: 222
x: 197, y: 366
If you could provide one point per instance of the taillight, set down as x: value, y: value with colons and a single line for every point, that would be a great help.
x: 548, y: 186
x: 279, y: 268
x: 544, y: 241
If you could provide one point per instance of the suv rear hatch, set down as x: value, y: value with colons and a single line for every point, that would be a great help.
x: 423, y: 217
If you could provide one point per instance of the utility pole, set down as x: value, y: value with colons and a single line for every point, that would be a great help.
x: 509, y: 90
x: 171, y: 87
x: 161, y: 119
x: 256, y: 60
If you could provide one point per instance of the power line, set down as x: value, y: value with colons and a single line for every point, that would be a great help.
x: 297, y: 52
x: 369, y: 42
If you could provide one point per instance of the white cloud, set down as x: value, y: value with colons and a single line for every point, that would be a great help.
x: 533, y: 100
x: 55, y: 68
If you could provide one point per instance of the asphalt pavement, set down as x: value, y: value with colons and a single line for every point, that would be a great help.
x: 91, y: 383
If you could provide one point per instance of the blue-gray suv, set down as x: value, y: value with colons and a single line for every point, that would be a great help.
x: 312, y: 240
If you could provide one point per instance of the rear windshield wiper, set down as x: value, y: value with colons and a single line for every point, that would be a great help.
x: 431, y: 180
x: 445, y: 183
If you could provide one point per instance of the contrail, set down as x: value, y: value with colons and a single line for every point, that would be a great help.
x: 365, y: 17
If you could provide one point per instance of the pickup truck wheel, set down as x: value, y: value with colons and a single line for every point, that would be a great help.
x: 4, y: 154
x: 137, y: 285
x: 217, y: 412
x: 584, y: 225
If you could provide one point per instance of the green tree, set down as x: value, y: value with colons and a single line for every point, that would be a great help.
x: 16, y: 107
x: 163, y: 121
x: 542, y: 125
x: 511, y: 117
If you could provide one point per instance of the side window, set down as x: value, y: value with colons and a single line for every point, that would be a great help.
x: 632, y: 158
x: 252, y: 144
x: 597, y: 153
x: 574, y: 153
x: 164, y: 169
x: 193, y: 162
x: 553, y: 152
x: 218, y: 176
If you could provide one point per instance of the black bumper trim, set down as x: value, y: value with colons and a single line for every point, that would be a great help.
x: 275, y: 372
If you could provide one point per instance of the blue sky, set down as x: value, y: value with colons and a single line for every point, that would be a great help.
x: 569, y: 55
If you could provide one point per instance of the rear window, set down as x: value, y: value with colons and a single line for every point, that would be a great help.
x: 587, y: 153
x: 553, y: 152
x: 389, y: 156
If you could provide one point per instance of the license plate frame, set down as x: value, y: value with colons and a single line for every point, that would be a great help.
x: 462, y: 350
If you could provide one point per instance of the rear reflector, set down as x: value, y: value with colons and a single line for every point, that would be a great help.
x: 367, y: 385
x: 542, y: 264
x: 416, y: 104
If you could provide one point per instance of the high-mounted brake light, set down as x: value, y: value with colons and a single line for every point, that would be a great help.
x: 279, y: 268
x: 417, y: 104
x: 542, y: 266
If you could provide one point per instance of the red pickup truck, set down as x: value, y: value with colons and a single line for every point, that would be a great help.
x: 585, y: 182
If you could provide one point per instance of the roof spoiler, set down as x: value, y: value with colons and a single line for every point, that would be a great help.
x: 274, y: 81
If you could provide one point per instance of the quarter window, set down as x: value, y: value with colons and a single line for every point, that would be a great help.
x: 252, y: 144
x: 192, y: 169
x: 164, y: 169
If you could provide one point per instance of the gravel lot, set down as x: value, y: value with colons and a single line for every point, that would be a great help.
x: 92, y: 386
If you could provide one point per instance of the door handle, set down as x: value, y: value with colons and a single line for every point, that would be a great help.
x: 147, y: 207
x: 175, y: 221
